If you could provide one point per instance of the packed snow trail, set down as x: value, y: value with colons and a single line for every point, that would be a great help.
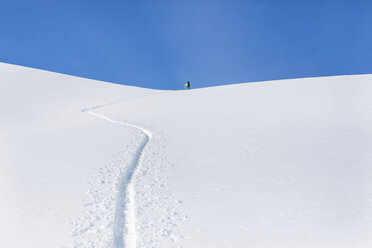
x: 124, y: 233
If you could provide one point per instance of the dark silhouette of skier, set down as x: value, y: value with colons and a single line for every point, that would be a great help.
x: 188, y: 85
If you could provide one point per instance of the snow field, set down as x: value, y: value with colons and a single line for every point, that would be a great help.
x: 270, y: 164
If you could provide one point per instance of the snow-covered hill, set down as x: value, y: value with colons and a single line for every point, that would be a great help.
x: 268, y: 164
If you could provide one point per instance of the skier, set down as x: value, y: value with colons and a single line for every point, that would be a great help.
x: 188, y: 85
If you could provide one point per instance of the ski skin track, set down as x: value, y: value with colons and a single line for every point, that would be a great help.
x: 124, y: 233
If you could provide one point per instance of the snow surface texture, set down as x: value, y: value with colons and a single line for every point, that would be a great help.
x: 270, y: 164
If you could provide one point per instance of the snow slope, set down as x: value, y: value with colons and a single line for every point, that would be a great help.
x: 269, y: 164
x: 53, y: 156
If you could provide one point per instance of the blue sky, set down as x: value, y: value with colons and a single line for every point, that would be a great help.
x: 162, y: 43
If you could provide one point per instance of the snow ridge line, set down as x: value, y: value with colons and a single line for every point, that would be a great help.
x: 124, y: 233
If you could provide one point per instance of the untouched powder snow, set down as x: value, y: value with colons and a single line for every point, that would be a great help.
x: 269, y: 164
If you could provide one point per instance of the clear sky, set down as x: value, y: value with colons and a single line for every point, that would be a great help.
x: 163, y: 43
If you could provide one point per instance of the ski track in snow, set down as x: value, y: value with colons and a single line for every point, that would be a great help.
x: 124, y: 233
